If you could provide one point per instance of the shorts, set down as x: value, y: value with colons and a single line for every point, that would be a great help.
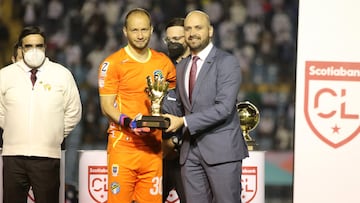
x: 134, y: 173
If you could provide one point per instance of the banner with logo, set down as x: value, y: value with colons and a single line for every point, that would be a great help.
x: 253, y: 178
x: 327, y: 124
x: 93, y: 178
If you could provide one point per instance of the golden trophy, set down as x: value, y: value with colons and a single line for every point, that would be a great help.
x: 249, y: 118
x: 156, y: 90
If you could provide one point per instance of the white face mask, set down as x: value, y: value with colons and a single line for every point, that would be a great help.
x: 34, y: 57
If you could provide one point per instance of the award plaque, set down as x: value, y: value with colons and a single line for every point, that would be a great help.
x: 249, y: 118
x: 153, y: 122
x: 156, y: 91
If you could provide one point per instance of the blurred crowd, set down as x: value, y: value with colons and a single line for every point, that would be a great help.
x: 81, y: 33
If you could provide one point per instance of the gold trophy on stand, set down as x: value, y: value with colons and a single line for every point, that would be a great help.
x: 249, y: 118
x: 156, y: 90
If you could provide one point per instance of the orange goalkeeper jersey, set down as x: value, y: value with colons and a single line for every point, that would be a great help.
x: 121, y: 75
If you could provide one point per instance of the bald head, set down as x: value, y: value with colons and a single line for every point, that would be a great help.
x: 198, y: 31
x: 200, y: 15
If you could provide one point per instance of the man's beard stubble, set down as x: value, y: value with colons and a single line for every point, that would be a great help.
x: 198, y: 47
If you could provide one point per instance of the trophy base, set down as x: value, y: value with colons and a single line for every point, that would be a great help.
x: 251, y: 145
x: 153, y: 122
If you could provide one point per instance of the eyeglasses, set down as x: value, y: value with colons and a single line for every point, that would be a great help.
x: 172, y: 39
x: 27, y: 47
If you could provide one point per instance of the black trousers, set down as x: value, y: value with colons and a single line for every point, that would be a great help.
x: 172, y: 179
x: 21, y: 172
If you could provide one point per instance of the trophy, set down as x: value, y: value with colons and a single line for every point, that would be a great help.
x: 249, y: 118
x: 156, y: 91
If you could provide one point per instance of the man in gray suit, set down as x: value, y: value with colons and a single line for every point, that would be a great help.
x: 213, y: 146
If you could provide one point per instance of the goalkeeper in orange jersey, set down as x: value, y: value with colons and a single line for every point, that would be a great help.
x: 134, y: 154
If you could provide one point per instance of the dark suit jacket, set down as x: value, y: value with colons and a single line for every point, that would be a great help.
x: 171, y: 105
x: 212, y: 117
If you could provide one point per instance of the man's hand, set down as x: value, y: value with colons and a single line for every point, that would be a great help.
x: 141, y: 131
x: 175, y: 122
x: 138, y: 131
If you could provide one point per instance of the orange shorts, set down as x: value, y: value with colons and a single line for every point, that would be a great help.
x: 134, y: 173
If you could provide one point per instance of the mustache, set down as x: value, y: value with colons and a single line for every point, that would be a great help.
x: 193, y: 37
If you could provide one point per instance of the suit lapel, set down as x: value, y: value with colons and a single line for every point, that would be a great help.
x: 209, y: 60
x: 181, y: 70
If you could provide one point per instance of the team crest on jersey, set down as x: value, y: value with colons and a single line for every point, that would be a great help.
x: 249, y: 183
x: 115, y: 169
x: 331, y: 103
x: 115, y: 187
x: 158, y: 74
x: 97, y: 183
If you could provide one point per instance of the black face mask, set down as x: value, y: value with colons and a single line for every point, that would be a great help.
x: 175, y: 50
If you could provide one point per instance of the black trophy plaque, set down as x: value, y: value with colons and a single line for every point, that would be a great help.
x: 153, y: 122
